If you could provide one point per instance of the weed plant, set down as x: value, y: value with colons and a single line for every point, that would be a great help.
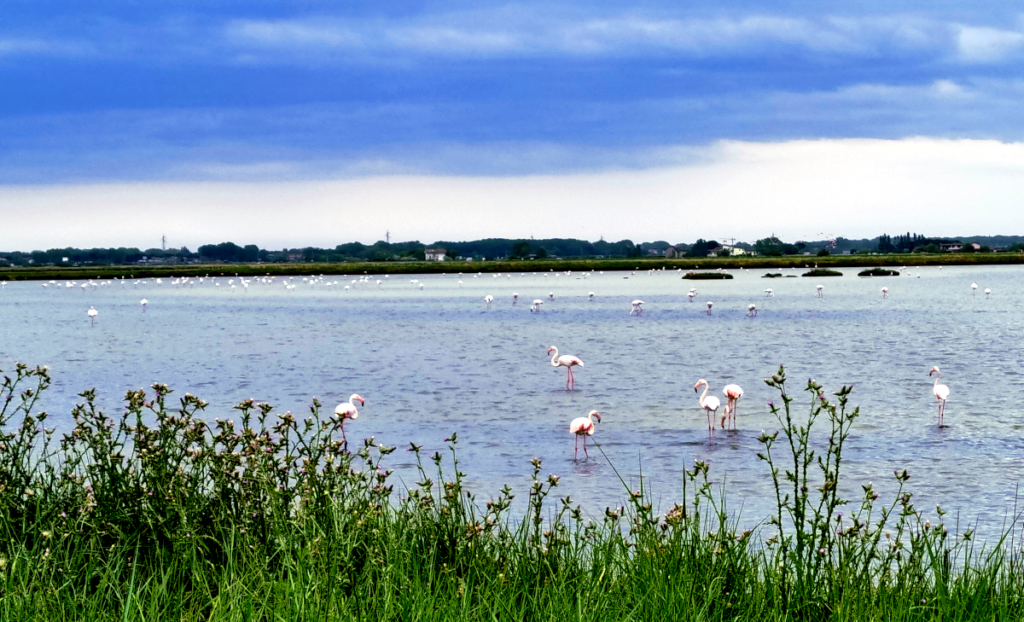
x: 155, y: 514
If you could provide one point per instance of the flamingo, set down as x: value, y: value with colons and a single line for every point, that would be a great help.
x: 144, y: 302
x: 515, y: 297
x: 551, y: 295
x: 941, y: 392
x: 732, y: 393
x: 638, y: 307
x: 567, y: 361
x: 821, y: 291
x: 583, y: 426
x: 885, y: 292
x: 708, y: 403
x: 768, y: 293
x: 751, y: 310
x: 987, y: 291
x: 537, y: 302
x: 347, y: 410
x: 710, y: 304
x: 590, y: 296
x: 92, y: 316
x: 488, y: 299
x: 693, y: 292
x: 974, y: 288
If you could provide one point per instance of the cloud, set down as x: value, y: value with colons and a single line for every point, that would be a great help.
x: 854, y: 188
x: 43, y: 47
x: 987, y: 45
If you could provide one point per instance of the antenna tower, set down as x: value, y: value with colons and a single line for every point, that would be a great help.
x: 163, y: 242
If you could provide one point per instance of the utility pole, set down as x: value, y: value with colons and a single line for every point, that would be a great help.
x: 163, y: 242
x: 387, y: 236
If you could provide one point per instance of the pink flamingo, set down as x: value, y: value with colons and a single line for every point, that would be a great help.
x: 347, y: 410
x: 708, y: 403
x: 732, y: 393
x: 941, y: 392
x: 583, y: 426
x: 567, y: 361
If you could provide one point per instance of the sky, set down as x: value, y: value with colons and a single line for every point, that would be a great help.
x: 318, y: 123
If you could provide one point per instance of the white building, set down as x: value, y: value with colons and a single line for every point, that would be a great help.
x: 434, y: 254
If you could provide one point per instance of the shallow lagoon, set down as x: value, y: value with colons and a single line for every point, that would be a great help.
x: 437, y: 360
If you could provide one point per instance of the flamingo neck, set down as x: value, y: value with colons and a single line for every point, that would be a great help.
x: 704, y: 394
x: 937, y: 376
x: 554, y: 358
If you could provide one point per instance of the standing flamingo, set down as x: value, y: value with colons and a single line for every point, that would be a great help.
x: 488, y: 299
x: 751, y: 310
x: 535, y: 307
x: 732, y: 393
x: 768, y: 293
x: 710, y: 304
x: 590, y: 296
x: 708, y: 403
x: 515, y: 297
x: 551, y: 295
x: 941, y: 392
x: 567, y: 361
x: 92, y: 316
x: 885, y: 292
x: 144, y: 302
x: 638, y: 307
x: 693, y: 292
x: 347, y: 410
x: 583, y: 426
x: 987, y: 291
x: 821, y: 291
x: 974, y: 288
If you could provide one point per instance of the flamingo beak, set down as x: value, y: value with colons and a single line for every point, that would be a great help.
x: 598, y: 417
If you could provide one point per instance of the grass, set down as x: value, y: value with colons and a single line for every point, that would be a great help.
x: 432, y: 267
x: 156, y: 514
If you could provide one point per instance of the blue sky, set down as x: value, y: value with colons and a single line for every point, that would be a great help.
x: 119, y: 92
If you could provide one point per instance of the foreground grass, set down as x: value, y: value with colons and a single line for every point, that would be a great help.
x: 158, y: 515
x: 450, y: 267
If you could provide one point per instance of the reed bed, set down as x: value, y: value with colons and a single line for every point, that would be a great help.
x: 157, y: 514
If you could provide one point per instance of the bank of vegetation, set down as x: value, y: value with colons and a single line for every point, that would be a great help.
x: 160, y: 512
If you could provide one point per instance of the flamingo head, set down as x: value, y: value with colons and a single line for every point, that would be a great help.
x: 698, y: 385
x: 595, y: 415
x: 355, y: 397
x: 551, y: 348
x: 933, y: 370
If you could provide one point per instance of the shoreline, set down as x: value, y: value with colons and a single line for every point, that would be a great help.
x: 432, y: 267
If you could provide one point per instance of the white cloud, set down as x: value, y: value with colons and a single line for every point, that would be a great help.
x: 986, y: 45
x: 853, y: 188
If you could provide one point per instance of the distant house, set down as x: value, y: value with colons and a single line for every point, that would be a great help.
x: 672, y: 252
x: 733, y: 250
x: 434, y: 254
x: 952, y: 247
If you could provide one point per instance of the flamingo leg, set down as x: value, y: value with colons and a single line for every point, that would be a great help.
x: 344, y: 439
x: 585, y: 448
x: 576, y: 454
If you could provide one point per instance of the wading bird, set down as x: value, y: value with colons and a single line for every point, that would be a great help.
x: 751, y: 310
x: 693, y: 292
x: 637, y: 308
x: 92, y: 316
x: 732, y: 393
x: 515, y: 297
x: 710, y: 304
x: 987, y: 291
x: 583, y: 426
x: 567, y: 361
x: 941, y: 392
x: 144, y: 302
x: 590, y: 296
x: 535, y: 308
x: 885, y: 292
x: 974, y: 288
x: 347, y: 410
x: 488, y: 299
x: 708, y: 403
x: 768, y: 293
x: 821, y: 291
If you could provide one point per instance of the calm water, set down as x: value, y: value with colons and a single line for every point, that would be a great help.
x: 436, y: 360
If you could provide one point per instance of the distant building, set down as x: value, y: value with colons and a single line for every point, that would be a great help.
x: 672, y: 252
x: 734, y: 251
x: 434, y: 254
x: 952, y: 247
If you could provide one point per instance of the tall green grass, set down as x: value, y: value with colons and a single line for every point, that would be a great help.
x: 156, y: 514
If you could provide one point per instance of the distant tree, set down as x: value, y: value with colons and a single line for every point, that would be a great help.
x: 542, y: 252
x: 521, y: 249
x: 699, y: 249
x: 823, y: 253
x: 774, y: 247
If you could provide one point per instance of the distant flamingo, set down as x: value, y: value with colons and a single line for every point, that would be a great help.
x: 710, y: 304
x: 583, y: 426
x: 590, y: 296
x: 768, y: 293
x: 885, y: 292
x: 693, y: 292
x: 751, y: 310
x: 941, y: 392
x: 821, y: 291
x: 488, y: 299
x: 987, y: 291
x: 537, y: 302
x: 347, y: 410
x: 708, y: 403
x: 638, y: 307
x: 732, y: 393
x: 551, y: 295
x: 92, y: 316
x: 567, y: 361
x: 515, y: 297
x: 144, y: 302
